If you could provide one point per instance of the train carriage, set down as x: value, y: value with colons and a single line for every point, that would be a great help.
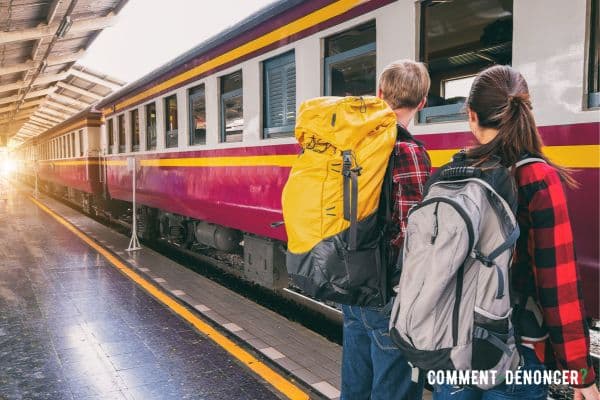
x: 67, y: 159
x: 213, y: 129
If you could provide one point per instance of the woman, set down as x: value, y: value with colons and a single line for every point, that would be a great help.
x: 545, y: 277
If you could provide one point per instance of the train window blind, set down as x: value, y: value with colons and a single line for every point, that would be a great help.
x: 72, y: 144
x: 458, y: 39
x: 197, y: 104
x: 279, y: 94
x: 232, y: 114
x: 594, y: 56
x: 111, y: 135
x: 171, y: 132
x: 121, y: 132
x: 134, y: 130
x: 350, y: 62
x: 151, y: 126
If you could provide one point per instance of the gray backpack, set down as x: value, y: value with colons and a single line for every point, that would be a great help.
x: 453, y: 307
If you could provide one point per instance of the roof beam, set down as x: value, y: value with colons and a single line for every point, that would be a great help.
x: 47, y: 117
x: 37, y: 93
x: 27, y: 65
x: 23, y: 106
x: 81, y: 26
x: 69, y: 100
x: 18, y: 117
x: 42, y: 80
x: 79, y: 90
x: 43, y: 125
x: 33, y: 128
x: 94, y: 79
x: 52, y: 9
x: 42, y: 119
x: 55, y: 113
x: 62, y: 107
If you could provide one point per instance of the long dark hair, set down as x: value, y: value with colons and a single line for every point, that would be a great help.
x: 500, y: 98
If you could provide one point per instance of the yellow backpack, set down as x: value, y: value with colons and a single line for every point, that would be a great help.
x: 331, y: 199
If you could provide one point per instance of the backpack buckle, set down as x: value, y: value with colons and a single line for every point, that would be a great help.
x: 483, y: 259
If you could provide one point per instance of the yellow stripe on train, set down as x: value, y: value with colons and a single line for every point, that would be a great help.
x: 308, y: 21
x: 576, y: 156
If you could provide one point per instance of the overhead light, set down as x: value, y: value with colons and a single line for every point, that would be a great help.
x: 64, y: 27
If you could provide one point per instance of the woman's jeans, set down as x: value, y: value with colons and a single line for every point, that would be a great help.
x: 372, y: 366
x: 503, y: 391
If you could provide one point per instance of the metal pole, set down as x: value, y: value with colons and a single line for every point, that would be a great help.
x: 134, y: 243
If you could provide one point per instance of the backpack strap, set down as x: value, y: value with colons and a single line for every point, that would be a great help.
x: 528, y: 160
x: 350, y: 196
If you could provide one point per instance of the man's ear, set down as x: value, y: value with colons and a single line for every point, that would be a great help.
x: 473, y: 118
x: 422, y: 104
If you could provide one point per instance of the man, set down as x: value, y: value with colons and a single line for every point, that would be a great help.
x: 372, y: 367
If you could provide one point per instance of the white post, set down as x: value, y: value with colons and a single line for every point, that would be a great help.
x: 36, y: 192
x: 134, y: 243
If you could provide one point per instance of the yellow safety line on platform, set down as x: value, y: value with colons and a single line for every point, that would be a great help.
x: 277, y: 380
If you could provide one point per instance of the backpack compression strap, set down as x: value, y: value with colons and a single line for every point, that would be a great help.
x: 350, y: 196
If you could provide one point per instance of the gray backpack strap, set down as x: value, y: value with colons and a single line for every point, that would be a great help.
x: 528, y: 160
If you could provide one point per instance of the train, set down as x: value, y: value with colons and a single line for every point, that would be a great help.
x: 211, y: 133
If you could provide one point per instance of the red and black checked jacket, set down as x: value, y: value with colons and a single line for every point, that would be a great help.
x: 410, y: 170
x: 545, y: 268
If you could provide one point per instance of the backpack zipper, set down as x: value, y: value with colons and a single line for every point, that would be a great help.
x: 435, y: 224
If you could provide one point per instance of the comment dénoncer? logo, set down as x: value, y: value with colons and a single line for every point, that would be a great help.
x: 493, y: 377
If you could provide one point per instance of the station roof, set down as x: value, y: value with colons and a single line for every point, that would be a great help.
x: 40, y: 43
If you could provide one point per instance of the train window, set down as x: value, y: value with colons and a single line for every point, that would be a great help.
x: 232, y: 115
x: 171, y: 121
x: 72, y: 144
x: 111, y: 135
x: 80, y: 134
x: 594, y: 56
x: 134, y: 130
x: 458, y: 39
x: 350, y: 68
x: 151, y: 126
x: 279, y: 93
x: 197, y: 103
x: 121, y: 132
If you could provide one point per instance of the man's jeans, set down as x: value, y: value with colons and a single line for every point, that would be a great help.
x: 372, y: 366
x: 503, y: 391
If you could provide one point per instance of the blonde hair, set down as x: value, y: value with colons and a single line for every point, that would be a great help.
x: 404, y: 84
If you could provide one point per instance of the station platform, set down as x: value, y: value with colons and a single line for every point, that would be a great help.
x: 81, y: 318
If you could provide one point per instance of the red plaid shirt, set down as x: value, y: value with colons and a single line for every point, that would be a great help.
x: 411, y: 169
x: 545, y: 260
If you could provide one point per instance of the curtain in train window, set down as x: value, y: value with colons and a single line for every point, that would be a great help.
x: 72, y: 144
x: 459, y: 39
x: 197, y: 101
x: 232, y: 116
x: 279, y: 94
x: 121, y: 132
x: 594, y: 56
x: 111, y: 135
x: 80, y: 134
x: 135, y: 130
x: 151, y: 126
x: 350, y: 62
x: 171, y: 121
